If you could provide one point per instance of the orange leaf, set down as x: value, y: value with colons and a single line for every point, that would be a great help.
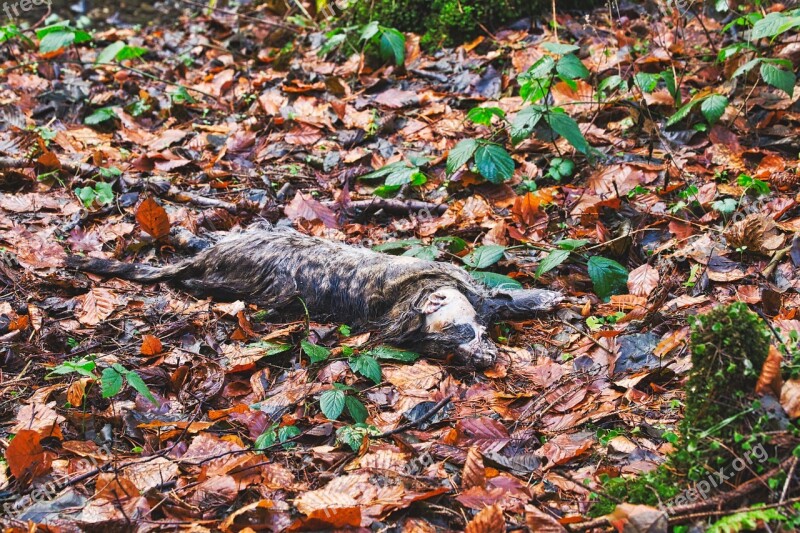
x: 770, y: 381
x: 77, y: 391
x: 153, y: 218
x: 25, y: 456
x: 150, y: 345
x: 490, y: 520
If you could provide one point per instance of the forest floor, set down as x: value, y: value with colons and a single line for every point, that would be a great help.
x: 143, y: 408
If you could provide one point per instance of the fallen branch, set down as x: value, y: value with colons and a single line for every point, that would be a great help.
x: 394, y: 206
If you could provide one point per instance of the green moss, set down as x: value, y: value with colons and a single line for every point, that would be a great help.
x: 652, y: 488
x: 729, y: 347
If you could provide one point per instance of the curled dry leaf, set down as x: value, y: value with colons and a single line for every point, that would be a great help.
x: 153, y: 218
x: 790, y: 398
x: 770, y: 381
x: 490, y: 520
x: 77, y: 391
x: 638, y: 519
x: 757, y: 233
x: 642, y: 280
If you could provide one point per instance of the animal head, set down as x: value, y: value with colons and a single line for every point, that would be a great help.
x: 451, y: 323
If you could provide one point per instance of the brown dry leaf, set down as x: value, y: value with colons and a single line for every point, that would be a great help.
x: 771, y: 164
x: 539, y: 521
x: 151, y: 472
x: 98, y: 304
x: 77, y: 391
x: 38, y: 415
x: 757, y: 233
x: 629, y: 518
x: 490, y: 520
x: 642, y: 280
x: 153, y: 219
x: 487, y: 434
x: 565, y: 447
x: 474, y: 474
x: 790, y: 398
x: 770, y: 380
x: 305, y: 206
x: 25, y: 456
x: 150, y: 345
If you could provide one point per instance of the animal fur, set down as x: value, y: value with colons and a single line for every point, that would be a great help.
x: 432, y: 307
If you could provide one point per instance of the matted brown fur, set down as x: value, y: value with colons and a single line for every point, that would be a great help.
x: 277, y: 268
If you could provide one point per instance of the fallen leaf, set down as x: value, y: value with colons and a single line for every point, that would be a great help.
x: 489, y: 520
x: 153, y: 219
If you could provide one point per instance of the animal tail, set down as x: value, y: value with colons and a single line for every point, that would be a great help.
x: 130, y: 271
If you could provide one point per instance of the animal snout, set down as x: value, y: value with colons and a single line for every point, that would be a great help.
x: 481, y: 351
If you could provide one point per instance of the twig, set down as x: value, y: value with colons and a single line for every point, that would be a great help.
x: 424, y: 418
x: 202, y: 201
x: 395, y: 206
x: 789, y: 477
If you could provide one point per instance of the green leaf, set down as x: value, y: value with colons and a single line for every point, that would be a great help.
x: 288, y: 432
x: 726, y: 206
x: 386, y: 170
x: 270, y: 348
x: 356, y: 409
x: 778, y: 78
x: 182, y: 96
x: 553, y: 259
x: 608, y: 277
x: 610, y: 83
x: 55, y: 41
x: 572, y: 244
x: 314, y: 352
x: 266, y: 439
x: 540, y: 69
x: 428, y: 253
x: 572, y: 68
x: 646, y: 82
x: 84, y: 367
x: 524, y: 122
x: 565, y: 126
x: 393, y: 45
x: 396, y: 245
x: 131, y: 52
x: 460, y: 154
x: 367, y: 367
x: 669, y: 80
x: 773, y: 25
x: 747, y: 67
x: 110, y: 382
x: 496, y: 281
x: 681, y: 113
x: 713, y: 107
x: 138, y: 384
x: 484, y: 256
x: 331, y: 403
x: 105, y: 195
x: 101, y: 115
x: 109, y: 53
x: 370, y: 30
x: 559, y: 48
x: 388, y: 352
x: 494, y: 163
x: 483, y: 115
x: 86, y: 195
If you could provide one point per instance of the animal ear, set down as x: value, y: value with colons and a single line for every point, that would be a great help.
x: 520, y: 303
x: 432, y: 303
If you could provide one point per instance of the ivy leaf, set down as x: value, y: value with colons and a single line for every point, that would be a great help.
x: 387, y: 352
x: 566, y: 126
x: 331, y: 403
x: 484, y: 256
x: 496, y: 281
x: 608, y: 277
x: 367, y: 367
x: 713, y: 107
x: 314, y: 352
x: 571, y: 67
x: 460, y: 154
x: 494, y: 163
x: 778, y: 78
x: 553, y: 259
x: 110, y: 382
x: 356, y: 409
x: 524, y: 122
